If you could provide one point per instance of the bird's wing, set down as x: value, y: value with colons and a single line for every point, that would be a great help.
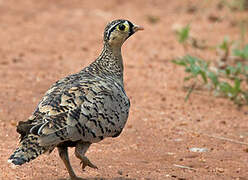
x: 88, y: 111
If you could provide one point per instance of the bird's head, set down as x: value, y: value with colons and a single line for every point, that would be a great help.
x: 117, y: 31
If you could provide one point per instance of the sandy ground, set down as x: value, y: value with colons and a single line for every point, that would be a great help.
x: 42, y: 41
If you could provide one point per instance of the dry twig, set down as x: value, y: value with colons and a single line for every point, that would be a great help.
x: 184, y: 167
x: 216, y: 137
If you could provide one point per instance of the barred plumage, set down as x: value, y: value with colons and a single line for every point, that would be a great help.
x: 82, y: 108
x: 29, y: 149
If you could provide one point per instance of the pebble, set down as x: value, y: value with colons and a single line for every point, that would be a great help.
x: 220, y: 170
x: 120, y: 172
x: 195, y: 149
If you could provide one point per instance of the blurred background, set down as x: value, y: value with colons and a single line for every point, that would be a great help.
x: 186, y: 75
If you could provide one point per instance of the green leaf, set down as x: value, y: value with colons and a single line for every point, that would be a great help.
x: 225, y: 87
x: 246, y: 69
x: 195, y: 69
x: 214, y: 78
x: 188, y: 77
x: 180, y: 62
x: 236, y: 87
x: 204, y: 77
x: 242, y: 53
x: 228, y: 71
x: 189, y: 92
x: 225, y: 44
x: 183, y: 34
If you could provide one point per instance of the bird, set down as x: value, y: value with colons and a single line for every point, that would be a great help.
x: 80, y: 109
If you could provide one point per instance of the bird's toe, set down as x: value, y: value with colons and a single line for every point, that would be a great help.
x: 86, y: 162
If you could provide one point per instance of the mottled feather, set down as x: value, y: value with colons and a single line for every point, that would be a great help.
x: 82, y: 108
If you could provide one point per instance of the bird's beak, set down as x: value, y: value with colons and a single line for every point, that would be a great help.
x: 137, y: 28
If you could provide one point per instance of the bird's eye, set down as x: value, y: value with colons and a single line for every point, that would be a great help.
x: 121, y: 27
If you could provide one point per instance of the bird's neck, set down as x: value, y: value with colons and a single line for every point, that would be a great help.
x: 109, y: 62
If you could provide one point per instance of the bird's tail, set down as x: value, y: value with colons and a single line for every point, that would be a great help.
x: 28, y: 149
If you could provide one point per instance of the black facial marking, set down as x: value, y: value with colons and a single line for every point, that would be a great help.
x: 122, y: 27
x: 130, y: 28
x: 112, y: 26
x: 110, y: 31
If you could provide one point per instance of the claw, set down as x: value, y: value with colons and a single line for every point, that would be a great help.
x: 86, y: 162
x: 80, y: 151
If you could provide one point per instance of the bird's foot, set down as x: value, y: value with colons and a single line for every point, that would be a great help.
x: 86, y: 162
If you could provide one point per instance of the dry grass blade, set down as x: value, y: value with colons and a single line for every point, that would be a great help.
x: 216, y: 137
x: 184, y: 167
x: 226, y: 139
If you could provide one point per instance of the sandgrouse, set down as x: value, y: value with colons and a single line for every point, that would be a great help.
x: 82, y: 108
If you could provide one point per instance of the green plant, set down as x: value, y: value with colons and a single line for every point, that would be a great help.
x: 185, y: 38
x: 225, y: 46
x: 227, y: 83
x: 194, y: 66
x: 242, y: 53
x: 183, y: 34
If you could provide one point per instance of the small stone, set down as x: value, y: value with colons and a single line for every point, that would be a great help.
x: 238, y: 170
x: 191, y: 9
x: 129, y: 126
x: 178, y: 140
x: 195, y: 149
x: 163, y: 99
x: 13, y: 123
x: 120, y: 172
x: 220, y: 170
x: 246, y: 150
x: 152, y: 19
x: 214, y: 18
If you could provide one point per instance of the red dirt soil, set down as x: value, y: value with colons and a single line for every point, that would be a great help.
x: 43, y: 41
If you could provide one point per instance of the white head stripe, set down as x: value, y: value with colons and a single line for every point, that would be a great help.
x: 113, y: 26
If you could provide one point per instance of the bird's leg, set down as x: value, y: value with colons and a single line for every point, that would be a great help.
x: 80, y: 151
x: 63, y: 153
